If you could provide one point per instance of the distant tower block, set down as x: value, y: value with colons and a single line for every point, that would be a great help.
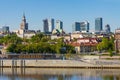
x: 98, y: 24
x: 48, y: 25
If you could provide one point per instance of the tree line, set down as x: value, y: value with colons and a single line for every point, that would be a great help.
x: 39, y: 43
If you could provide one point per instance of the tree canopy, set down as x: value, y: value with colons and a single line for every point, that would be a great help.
x: 107, y: 44
x: 39, y: 43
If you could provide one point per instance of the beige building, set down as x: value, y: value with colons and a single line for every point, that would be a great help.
x: 85, y: 45
x: 117, y: 40
x: 76, y: 35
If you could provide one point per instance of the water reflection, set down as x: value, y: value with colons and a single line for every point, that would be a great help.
x: 58, y: 74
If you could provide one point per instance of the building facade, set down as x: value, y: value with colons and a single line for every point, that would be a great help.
x: 107, y: 28
x: 59, y: 28
x: 117, y: 40
x: 59, y: 25
x: 98, y: 24
x: 48, y: 25
x: 85, y: 45
x: 24, y: 24
x: 5, y: 29
x: 84, y: 26
x: 81, y: 26
x: 76, y: 26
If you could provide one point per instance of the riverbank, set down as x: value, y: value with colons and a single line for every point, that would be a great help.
x: 37, y: 63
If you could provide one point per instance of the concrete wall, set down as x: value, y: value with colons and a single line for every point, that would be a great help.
x: 59, y: 63
x: 43, y: 63
x: 91, y: 57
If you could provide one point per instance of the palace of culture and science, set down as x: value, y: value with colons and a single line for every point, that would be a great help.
x: 24, y: 24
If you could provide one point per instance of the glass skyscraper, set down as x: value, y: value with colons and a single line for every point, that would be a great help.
x: 76, y: 26
x: 98, y: 24
x: 5, y: 29
x: 48, y: 25
x: 59, y: 24
x: 107, y: 28
x: 81, y: 26
x: 84, y: 26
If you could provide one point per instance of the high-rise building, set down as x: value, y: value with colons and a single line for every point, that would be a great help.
x: 81, y: 26
x: 107, y: 28
x: 84, y: 26
x: 98, y: 24
x: 48, y: 25
x: 5, y: 29
x: 59, y: 25
x: 24, y: 24
x: 59, y: 28
x: 76, y: 26
x: 45, y: 25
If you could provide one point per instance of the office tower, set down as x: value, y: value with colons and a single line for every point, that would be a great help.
x: 24, y: 24
x: 76, y: 26
x: 48, y: 25
x: 84, y: 26
x: 59, y: 28
x: 45, y: 25
x: 81, y: 26
x: 5, y: 29
x: 98, y: 24
x: 0, y: 30
x: 59, y: 25
x: 107, y: 28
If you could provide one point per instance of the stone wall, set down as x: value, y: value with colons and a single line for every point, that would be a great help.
x: 58, y: 63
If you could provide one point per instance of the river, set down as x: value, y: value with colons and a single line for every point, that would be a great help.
x: 58, y: 74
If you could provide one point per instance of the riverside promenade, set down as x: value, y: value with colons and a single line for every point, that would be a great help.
x: 38, y: 63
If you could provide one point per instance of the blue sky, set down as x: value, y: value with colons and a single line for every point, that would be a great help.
x: 68, y: 11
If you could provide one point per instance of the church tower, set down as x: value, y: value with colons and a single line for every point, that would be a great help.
x: 24, y: 24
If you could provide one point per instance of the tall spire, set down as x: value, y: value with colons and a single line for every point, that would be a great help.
x: 24, y: 25
x: 23, y: 14
x: 24, y: 19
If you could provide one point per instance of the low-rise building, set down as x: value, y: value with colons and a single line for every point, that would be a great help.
x: 26, y: 34
x: 76, y: 35
x: 117, y: 40
x: 85, y: 45
x: 65, y: 37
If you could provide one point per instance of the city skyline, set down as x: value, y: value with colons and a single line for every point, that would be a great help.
x: 66, y: 11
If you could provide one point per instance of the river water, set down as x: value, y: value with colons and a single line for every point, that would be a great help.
x: 58, y: 74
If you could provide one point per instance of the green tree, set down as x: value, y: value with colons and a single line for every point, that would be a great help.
x: 99, y: 47
x: 69, y: 49
x: 11, y: 38
x: 11, y: 48
x: 37, y: 38
x: 110, y: 52
x: 106, y: 44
